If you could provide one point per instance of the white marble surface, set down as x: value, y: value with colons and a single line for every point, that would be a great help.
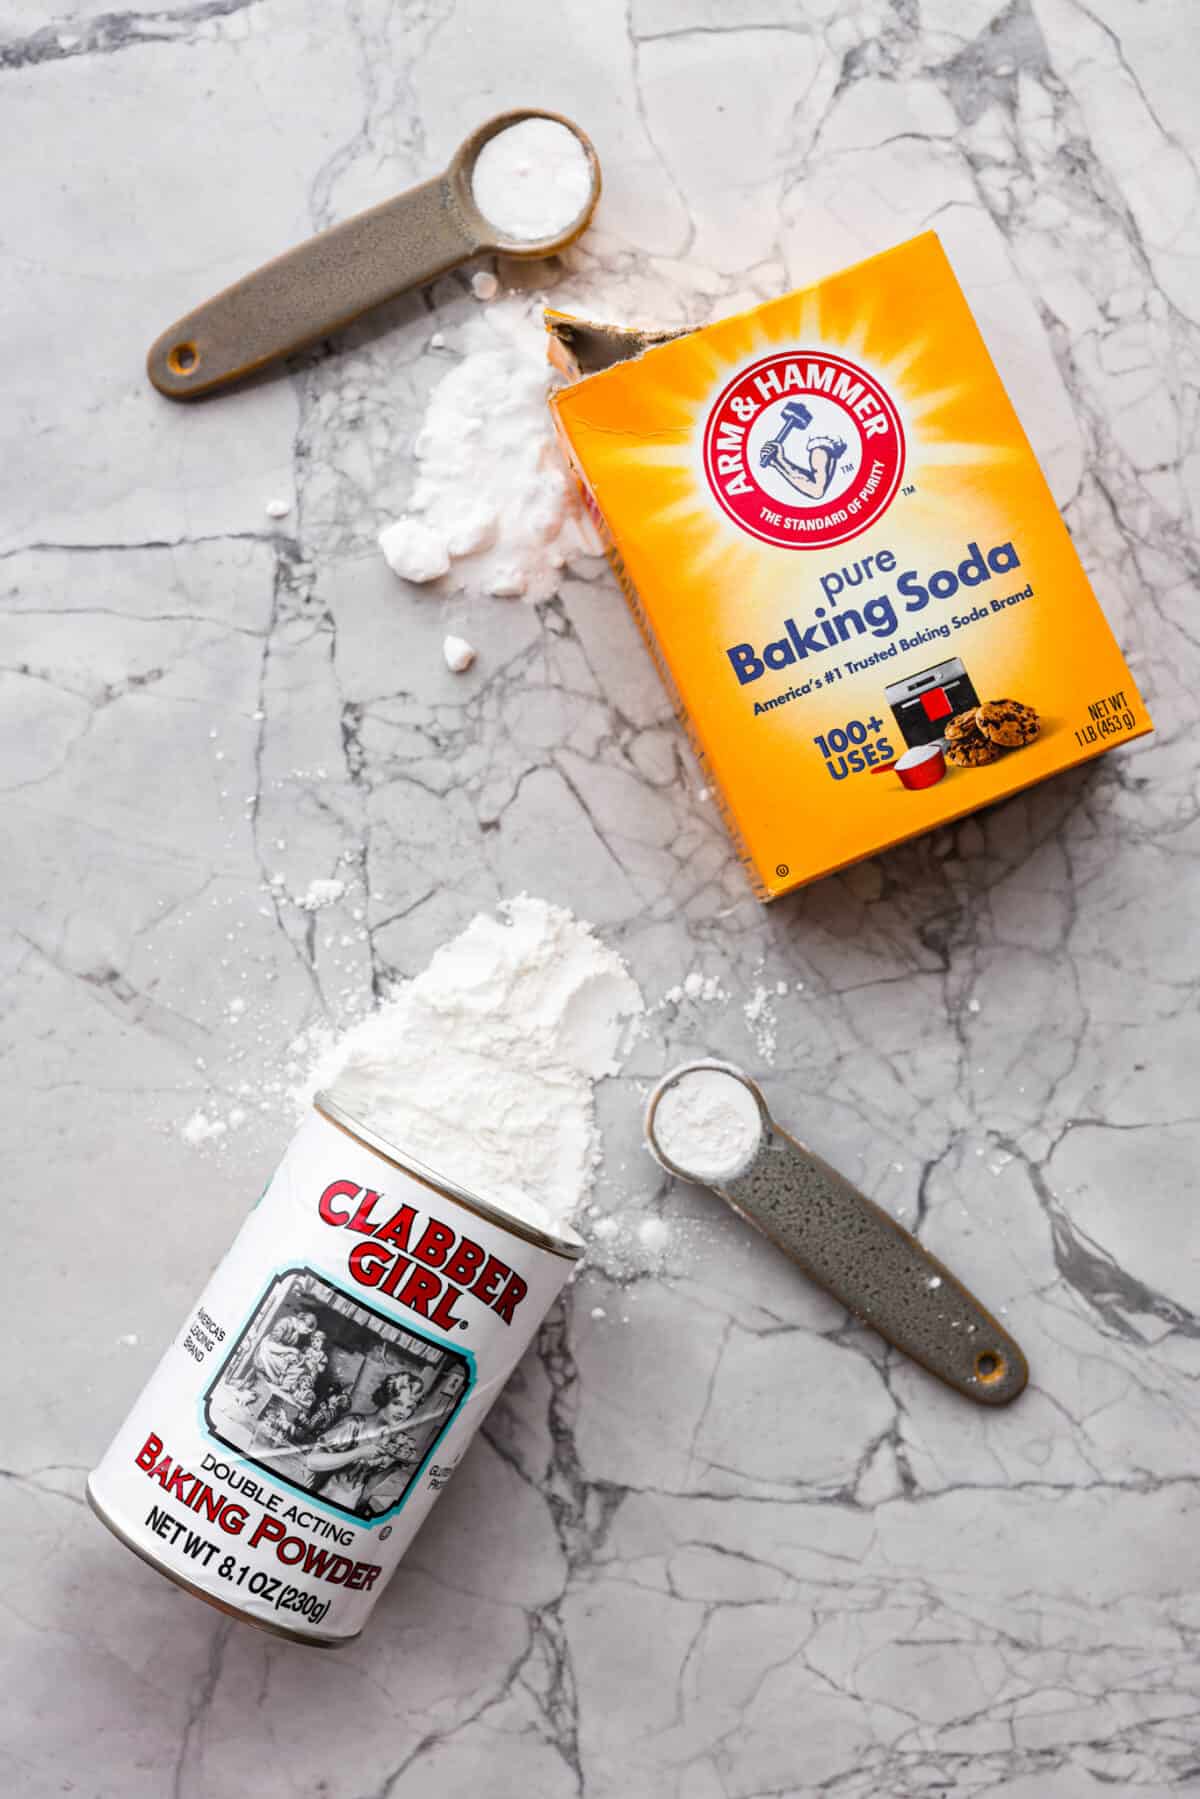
x: 728, y: 1549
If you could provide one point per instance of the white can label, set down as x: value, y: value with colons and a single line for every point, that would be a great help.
x: 324, y: 1388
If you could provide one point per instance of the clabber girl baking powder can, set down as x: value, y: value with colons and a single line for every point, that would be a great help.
x: 325, y: 1386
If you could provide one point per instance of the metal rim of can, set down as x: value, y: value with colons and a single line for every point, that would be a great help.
x: 308, y: 1638
x: 570, y: 1246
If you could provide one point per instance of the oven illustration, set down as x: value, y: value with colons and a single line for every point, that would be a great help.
x: 922, y: 703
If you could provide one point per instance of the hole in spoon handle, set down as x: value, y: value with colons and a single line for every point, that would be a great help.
x: 876, y: 1269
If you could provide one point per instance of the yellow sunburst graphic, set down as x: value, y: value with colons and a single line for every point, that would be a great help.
x: 646, y: 461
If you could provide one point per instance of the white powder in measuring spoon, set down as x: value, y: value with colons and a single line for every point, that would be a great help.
x: 532, y: 180
x: 707, y: 1123
x: 483, y: 1067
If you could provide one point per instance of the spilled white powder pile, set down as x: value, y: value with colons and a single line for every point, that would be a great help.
x: 707, y: 1124
x: 532, y: 180
x: 484, y: 1065
x: 493, y: 509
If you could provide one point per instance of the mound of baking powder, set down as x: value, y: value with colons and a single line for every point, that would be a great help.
x: 483, y: 1066
x: 494, y: 509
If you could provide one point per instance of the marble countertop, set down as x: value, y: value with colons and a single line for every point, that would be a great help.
x: 717, y: 1544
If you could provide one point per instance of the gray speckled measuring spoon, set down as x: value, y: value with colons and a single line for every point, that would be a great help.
x: 324, y: 283
x: 713, y: 1115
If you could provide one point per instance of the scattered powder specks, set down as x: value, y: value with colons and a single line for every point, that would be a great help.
x: 200, y: 1128
x: 759, y: 1012
x: 700, y: 988
x: 320, y: 892
x: 599, y: 1312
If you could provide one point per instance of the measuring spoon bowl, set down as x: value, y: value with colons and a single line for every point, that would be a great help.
x: 487, y: 237
x: 700, y: 1176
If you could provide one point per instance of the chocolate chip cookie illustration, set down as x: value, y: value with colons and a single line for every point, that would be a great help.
x: 962, y: 725
x: 972, y: 750
x: 1008, y: 723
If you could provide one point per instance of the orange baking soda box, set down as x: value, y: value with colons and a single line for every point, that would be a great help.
x: 846, y: 561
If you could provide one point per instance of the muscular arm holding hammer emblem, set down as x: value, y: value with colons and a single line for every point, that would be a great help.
x: 812, y: 479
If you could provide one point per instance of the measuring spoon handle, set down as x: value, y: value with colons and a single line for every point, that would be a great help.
x: 873, y: 1267
x: 312, y: 290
